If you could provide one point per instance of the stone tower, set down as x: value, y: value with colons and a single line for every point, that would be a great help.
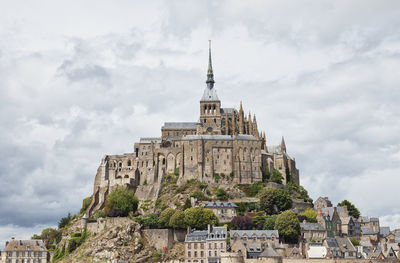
x: 210, y: 105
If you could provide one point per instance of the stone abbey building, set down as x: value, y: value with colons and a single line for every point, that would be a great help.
x: 224, y: 143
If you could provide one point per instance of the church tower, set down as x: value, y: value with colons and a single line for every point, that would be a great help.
x: 210, y: 105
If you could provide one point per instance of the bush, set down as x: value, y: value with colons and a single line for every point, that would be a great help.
x: 310, y: 214
x: 199, y: 196
x: 273, y: 200
x: 217, y: 177
x: 116, y: 213
x: 99, y: 214
x: 64, y: 221
x: 152, y: 221
x: 242, y: 222
x: 165, y: 217
x: 187, y: 204
x: 177, y: 220
x: 269, y: 223
x: 221, y: 194
x: 355, y: 241
x: 276, y: 177
x: 244, y: 207
x: 123, y: 200
x: 76, y: 240
x: 85, y: 204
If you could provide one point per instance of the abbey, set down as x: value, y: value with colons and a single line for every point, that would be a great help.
x: 225, y: 143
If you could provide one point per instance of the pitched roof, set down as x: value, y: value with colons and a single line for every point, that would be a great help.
x: 220, y: 205
x: 180, y: 125
x: 258, y: 233
x: 197, y: 236
x: 384, y: 231
x: 209, y: 95
x: 367, y: 231
x: 331, y: 242
x: 269, y: 252
x: 20, y: 245
x: 150, y: 140
x: 312, y: 227
x: 345, y: 244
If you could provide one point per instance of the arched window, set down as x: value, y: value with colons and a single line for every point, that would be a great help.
x: 129, y: 163
x: 163, y: 161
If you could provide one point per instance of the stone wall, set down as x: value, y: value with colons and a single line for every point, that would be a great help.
x: 106, y: 223
x: 159, y: 238
x: 338, y: 261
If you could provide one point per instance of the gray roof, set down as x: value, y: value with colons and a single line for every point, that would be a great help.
x: 209, y: 95
x: 269, y: 252
x: 21, y: 245
x: 218, y: 232
x: 312, y: 227
x: 258, y: 233
x: 331, y: 242
x: 209, y: 137
x: 228, y: 110
x: 197, y: 236
x: 180, y: 125
x: 220, y: 204
x: 329, y: 209
x: 345, y: 244
x: 384, y: 231
x: 367, y: 231
x: 366, y: 219
x: 150, y: 140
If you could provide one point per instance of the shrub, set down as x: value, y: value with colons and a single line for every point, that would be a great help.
x: 152, y: 221
x: 276, y: 177
x: 123, y: 200
x: 177, y: 220
x: 99, y: 214
x: 165, y: 217
x: 198, y: 195
x: 176, y: 171
x: 222, y: 194
x: 310, y: 214
x: 64, y: 221
x: 187, y: 204
x: 85, y: 204
x: 76, y: 240
x: 217, y: 177
x: 269, y: 223
x: 242, y: 222
x: 115, y: 213
x: 355, y: 241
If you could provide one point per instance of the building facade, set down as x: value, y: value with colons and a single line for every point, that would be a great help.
x: 225, y: 211
x: 24, y: 251
x: 206, y: 246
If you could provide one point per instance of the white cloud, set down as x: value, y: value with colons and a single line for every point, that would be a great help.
x: 92, y: 79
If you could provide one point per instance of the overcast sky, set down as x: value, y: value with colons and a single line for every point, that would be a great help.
x: 81, y: 79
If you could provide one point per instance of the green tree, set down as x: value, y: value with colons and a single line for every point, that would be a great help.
x: 310, y: 214
x: 165, y: 217
x: 151, y: 221
x: 221, y: 194
x: 187, y: 204
x: 177, y: 220
x: 198, y: 217
x: 288, y: 226
x: 273, y: 200
x: 123, y: 200
x: 353, y: 211
x: 269, y: 223
x: 355, y: 241
x: 276, y: 177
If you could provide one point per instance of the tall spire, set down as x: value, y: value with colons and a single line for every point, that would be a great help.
x: 210, y: 74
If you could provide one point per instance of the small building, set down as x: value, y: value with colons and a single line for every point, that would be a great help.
x: 348, y: 226
x: 371, y: 222
x: 312, y: 232
x: 265, y: 237
x: 24, y: 251
x: 205, y: 246
x: 225, y: 211
x: 330, y: 220
x: 346, y: 247
x: 367, y: 234
x: 322, y: 202
x: 316, y: 251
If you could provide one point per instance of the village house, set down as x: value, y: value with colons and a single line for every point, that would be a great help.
x: 206, y: 246
x: 330, y: 220
x: 312, y: 232
x: 340, y: 247
x: 225, y: 211
x: 24, y: 251
x: 322, y: 202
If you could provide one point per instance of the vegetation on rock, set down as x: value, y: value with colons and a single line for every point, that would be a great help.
x: 199, y: 218
x: 274, y: 200
x: 120, y: 202
x: 310, y: 214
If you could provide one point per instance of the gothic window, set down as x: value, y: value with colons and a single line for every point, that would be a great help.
x: 191, y: 158
x: 163, y: 161
x: 129, y: 163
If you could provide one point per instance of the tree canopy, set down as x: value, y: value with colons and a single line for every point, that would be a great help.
x: 177, y: 220
x: 198, y: 217
x: 310, y: 214
x: 123, y: 200
x: 288, y: 226
x: 353, y: 211
x: 242, y: 222
x: 273, y: 200
x: 165, y: 217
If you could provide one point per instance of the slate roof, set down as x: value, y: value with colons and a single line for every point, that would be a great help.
x: 196, y: 236
x: 21, y: 245
x: 329, y: 209
x: 345, y: 244
x: 367, y: 231
x: 258, y: 233
x: 384, y: 231
x: 220, y: 205
x: 209, y: 95
x: 345, y: 220
x: 312, y: 227
x: 269, y: 252
x: 209, y: 137
x: 228, y: 110
x: 218, y: 232
x: 180, y: 125
x: 331, y: 242
x: 150, y: 140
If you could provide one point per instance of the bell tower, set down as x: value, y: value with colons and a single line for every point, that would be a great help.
x: 210, y: 105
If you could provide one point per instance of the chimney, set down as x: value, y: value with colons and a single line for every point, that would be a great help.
x: 209, y: 228
x: 326, y: 212
x: 319, y: 213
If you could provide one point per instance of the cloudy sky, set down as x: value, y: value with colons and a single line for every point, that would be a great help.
x: 81, y: 79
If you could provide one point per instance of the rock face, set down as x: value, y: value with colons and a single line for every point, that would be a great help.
x: 120, y: 243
